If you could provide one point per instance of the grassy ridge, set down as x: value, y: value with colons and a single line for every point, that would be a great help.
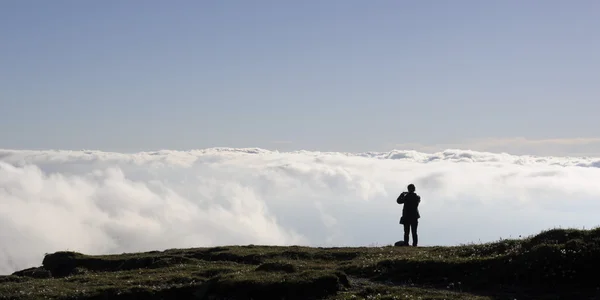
x: 555, y: 264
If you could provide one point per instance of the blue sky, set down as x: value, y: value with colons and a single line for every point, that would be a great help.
x: 339, y: 75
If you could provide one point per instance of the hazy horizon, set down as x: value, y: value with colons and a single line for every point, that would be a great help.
x: 573, y: 147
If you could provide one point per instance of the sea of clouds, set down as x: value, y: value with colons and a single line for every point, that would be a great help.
x: 102, y: 202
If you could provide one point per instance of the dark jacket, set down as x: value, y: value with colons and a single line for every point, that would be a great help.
x: 410, y: 211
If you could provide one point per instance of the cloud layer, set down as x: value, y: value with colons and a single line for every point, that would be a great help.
x: 520, y: 146
x: 101, y: 202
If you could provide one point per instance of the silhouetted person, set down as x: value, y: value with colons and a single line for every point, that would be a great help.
x: 410, y: 213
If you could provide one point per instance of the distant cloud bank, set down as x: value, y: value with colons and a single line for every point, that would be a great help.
x: 104, y: 202
x: 520, y: 146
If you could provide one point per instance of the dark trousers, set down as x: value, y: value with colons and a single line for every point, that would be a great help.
x: 408, y: 227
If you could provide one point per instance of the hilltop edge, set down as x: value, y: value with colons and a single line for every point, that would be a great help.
x: 554, y: 264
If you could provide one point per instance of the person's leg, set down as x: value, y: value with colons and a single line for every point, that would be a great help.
x: 415, y: 237
x: 406, y: 232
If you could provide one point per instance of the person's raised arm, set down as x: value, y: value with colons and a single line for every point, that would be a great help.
x: 400, y: 199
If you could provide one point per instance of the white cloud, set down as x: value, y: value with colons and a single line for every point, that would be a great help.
x: 520, y: 146
x: 98, y: 202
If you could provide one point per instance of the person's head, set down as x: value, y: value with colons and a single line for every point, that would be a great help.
x: 411, y: 188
